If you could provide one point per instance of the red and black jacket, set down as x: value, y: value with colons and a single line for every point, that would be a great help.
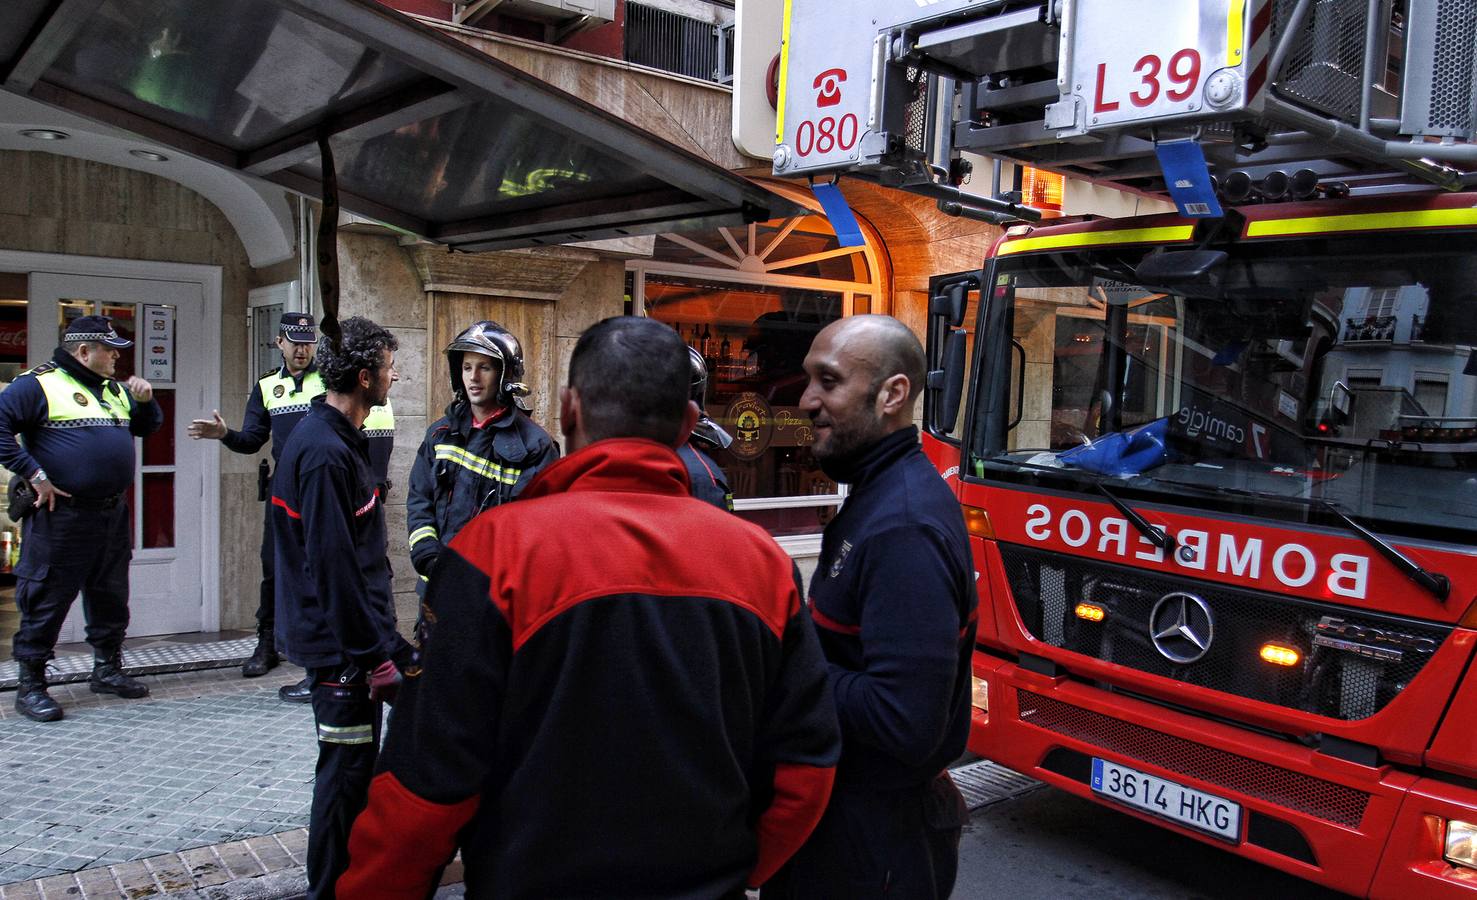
x: 621, y: 694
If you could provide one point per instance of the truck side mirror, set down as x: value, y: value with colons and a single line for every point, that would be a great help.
x: 947, y: 384
x: 950, y: 303
x: 1340, y: 404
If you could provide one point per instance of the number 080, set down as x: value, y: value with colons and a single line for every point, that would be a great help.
x: 827, y: 135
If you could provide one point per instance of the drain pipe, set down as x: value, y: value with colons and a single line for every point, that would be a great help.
x: 305, y: 279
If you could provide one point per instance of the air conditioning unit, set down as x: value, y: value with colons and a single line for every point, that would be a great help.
x: 563, y: 13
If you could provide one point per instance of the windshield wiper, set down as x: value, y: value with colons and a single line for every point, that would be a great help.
x: 1437, y: 584
x: 1160, y: 538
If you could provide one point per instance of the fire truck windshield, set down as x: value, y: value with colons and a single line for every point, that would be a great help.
x: 1335, y: 372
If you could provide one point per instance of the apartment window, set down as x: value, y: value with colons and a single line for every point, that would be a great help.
x: 1430, y: 393
x: 1381, y: 302
x: 751, y: 300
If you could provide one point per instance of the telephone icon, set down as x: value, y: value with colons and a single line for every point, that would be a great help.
x: 828, y: 87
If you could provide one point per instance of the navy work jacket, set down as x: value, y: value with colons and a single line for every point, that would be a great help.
x: 334, y: 602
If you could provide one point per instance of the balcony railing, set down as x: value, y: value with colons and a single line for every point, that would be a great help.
x: 1370, y: 328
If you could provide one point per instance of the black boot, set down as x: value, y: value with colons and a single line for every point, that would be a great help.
x: 302, y: 692
x: 31, y: 699
x: 263, y: 658
x: 108, y: 678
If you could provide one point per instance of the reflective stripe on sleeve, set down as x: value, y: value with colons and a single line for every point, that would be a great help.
x: 420, y: 534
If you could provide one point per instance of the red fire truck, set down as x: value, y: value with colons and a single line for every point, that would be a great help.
x: 1226, y: 569
x: 1219, y: 468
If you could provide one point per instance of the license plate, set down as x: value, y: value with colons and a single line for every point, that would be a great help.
x: 1187, y: 806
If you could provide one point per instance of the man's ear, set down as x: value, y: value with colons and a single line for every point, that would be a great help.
x: 569, y: 411
x: 892, y: 396
x: 690, y: 416
x: 366, y: 378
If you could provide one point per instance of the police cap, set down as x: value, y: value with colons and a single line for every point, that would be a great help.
x: 298, y: 328
x: 97, y: 329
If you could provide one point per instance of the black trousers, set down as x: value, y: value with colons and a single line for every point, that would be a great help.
x: 266, y: 607
x: 348, y: 724
x: 63, y: 551
x: 901, y: 845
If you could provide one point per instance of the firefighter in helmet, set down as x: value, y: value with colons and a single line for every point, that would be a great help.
x: 482, y: 452
x: 708, y: 481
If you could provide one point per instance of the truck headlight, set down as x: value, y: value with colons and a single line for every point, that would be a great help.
x: 1461, y: 843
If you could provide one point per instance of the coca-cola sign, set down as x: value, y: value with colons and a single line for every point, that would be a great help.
x: 13, y: 340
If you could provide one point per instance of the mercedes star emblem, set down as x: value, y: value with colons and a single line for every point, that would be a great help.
x: 1181, y: 627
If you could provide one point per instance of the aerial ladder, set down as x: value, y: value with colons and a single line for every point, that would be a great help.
x: 1191, y: 100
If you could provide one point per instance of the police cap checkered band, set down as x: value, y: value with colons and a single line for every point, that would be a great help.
x: 97, y: 329
x: 298, y: 328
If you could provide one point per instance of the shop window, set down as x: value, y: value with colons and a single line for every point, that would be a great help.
x: 751, y: 301
x: 12, y: 363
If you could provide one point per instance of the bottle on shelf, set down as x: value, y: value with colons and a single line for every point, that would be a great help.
x: 725, y: 349
x: 706, y: 345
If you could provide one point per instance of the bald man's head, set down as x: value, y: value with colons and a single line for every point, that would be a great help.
x: 865, y: 372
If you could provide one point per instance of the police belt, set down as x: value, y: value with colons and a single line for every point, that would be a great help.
x: 93, y: 503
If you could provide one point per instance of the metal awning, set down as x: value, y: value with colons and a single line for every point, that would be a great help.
x: 428, y: 135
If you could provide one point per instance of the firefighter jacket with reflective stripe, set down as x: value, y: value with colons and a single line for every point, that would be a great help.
x: 461, y: 470
x: 278, y: 401
x: 76, y: 425
x: 610, y: 625
x: 334, y: 604
x: 894, y: 600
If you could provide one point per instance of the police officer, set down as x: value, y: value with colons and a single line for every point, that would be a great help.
x: 709, y: 484
x: 78, y: 426
x: 278, y: 401
x: 482, y: 452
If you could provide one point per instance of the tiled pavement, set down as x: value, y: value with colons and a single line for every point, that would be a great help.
x: 209, y: 759
x: 199, y: 791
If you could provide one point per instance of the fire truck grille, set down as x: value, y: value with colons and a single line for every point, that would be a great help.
x: 1282, y: 787
x: 1356, y: 667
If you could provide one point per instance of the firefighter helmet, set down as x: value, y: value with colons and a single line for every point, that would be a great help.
x: 490, y: 339
x: 706, y: 430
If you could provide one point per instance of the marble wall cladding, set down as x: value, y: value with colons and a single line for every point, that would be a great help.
x: 407, y: 606
x: 378, y: 280
x: 241, y: 521
x: 57, y: 204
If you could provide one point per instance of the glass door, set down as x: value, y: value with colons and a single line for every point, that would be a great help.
x: 165, y: 320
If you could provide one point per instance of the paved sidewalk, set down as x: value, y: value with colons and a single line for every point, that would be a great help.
x: 198, y: 790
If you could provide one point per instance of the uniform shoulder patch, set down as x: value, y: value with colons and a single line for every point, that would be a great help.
x: 41, y: 369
